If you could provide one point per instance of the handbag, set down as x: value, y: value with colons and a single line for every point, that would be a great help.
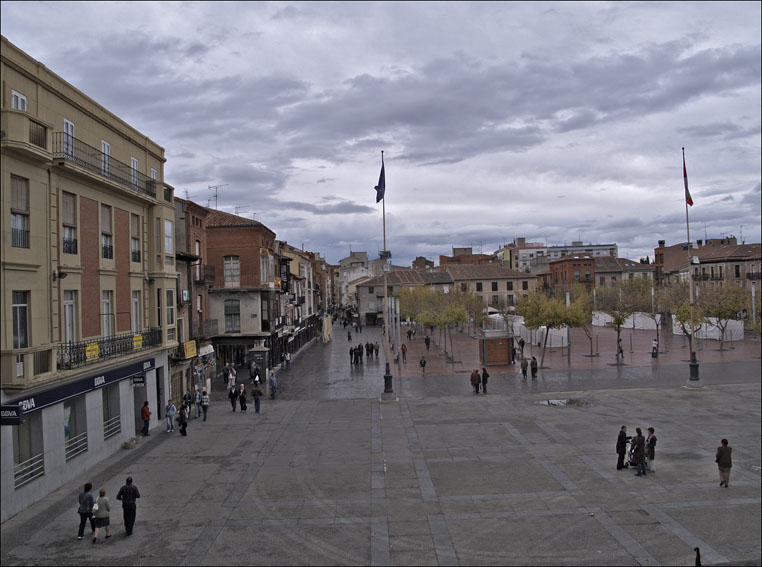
x: 95, y: 508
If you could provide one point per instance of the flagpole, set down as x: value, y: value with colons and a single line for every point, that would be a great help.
x: 388, y: 378
x: 694, y: 367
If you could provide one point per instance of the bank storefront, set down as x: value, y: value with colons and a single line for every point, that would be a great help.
x: 51, y: 435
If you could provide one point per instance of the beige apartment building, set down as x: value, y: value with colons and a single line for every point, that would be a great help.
x: 87, y: 285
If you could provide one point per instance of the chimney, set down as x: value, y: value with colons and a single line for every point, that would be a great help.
x: 699, y: 243
x: 661, y: 243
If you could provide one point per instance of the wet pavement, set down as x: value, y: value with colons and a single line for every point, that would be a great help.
x: 329, y: 474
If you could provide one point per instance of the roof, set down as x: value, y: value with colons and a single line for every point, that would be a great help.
x: 221, y: 219
x: 611, y: 264
x: 482, y: 272
x: 725, y: 253
x: 411, y: 278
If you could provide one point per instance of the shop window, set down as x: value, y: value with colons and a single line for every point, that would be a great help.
x: 28, y: 454
x: 75, y: 427
x: 112, y: 422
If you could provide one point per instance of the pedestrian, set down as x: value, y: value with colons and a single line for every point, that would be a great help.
x: 404, y: 352
x: 655, y: 348
x: 422, y: 363
x: 129, y: 494
x: 205, y: 403
x: 409, y: 335
x: 639, y: 452
x: 102, y: 515
x: 242, y: 398
x: 473, y: 381
x: 170, y: 412
x: 233, y: 396
x: 477, y: 380
x: 349, y: 336
x: 188, y: 399
x: 226, y: 373
x: 651, y: 449
x: 375, y: 349
x: 427, y: 340
x: 273, y: 385
x: 724, y: 462
x: 533, y: 365
x: 524, y: 367
x: 621, y: 447
x: 288, y: 360
x: 485, y: 377
x: 182, y: 419
x: 145, y: 415
x: 197, y: 403
x: 521, y: 346
x: 233, y: 376
x: 619, y: 349
x: 85, y: 510
x: 257, y: 393
x: 359, y: 352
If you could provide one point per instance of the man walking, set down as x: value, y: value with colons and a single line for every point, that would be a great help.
x: 639, y: 452
x: 724, y: 462
x: 197, y: 403
x: 524, y: 368
x: 621, y: 447
x: 288, y: 360
x: 404, y: 352
x: 128, y: 494
x: 170, y: 410
x: 427, y: 340
x: 533, y: 365
x: 422, y: 363
x: 485, y: 376
x: 205, y: 403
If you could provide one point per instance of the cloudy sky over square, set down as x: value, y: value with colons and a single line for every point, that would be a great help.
x: 550, y: 121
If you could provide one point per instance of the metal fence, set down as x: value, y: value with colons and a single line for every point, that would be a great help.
x: 28, y: 470
x: 76, y: 445
x: 81, y: 353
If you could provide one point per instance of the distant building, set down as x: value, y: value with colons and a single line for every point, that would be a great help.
x: 466, y: 256
x: 562, y: 273
x: 496, y: 284
x: 422, y: 264
x: 609, y: 271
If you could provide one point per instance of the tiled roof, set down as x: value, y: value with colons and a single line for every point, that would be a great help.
x: 611, y: 264
x: 724, y: 253
x: 223, y: 219
x: 411, y: 278
x: 482, y: 272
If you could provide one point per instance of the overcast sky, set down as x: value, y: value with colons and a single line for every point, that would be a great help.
x: 550, y: 121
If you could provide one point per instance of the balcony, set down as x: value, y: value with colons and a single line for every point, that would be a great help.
x: 69, y: 245
x: 242, y: 282
x: 136, y: 256
x: 72, y: 150
x: 203, y: 273
x: 24, y: 134
x: 82, y: 353
x: 19, y: 238
x: 107, y: 252
x: 753, y: 275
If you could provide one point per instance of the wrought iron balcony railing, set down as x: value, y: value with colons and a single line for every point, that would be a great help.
x: 81, y: 353
x: 19, y: 238
x: 71, y: 149
x: 69, y: 245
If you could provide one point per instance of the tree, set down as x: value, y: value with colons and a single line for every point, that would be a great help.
x: 682, y: 313
x: 721, y: 304
x: 619, y: 302
x: 540, y: 311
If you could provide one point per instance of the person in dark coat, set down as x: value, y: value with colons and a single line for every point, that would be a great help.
x: 524, y: 368
x: 233, y: 396
x: 533, y: 365
x: 724, y: 462
x: 128, y: 495
x: 85, y: 510
x: 651, y: 449
x: 621, y: 447
x: 485, y: 376
x: 639, y: 452
x: 182, y: 419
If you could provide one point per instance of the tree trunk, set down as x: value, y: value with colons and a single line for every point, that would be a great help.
x: 544, y: 344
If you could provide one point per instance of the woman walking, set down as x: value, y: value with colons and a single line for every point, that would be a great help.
x: 182, y: 418
x: 242, y: 398
x: 257, y: 393
x: 102, y: 515
x: 205, y: 403
x: 86, y: 501
x: 651, y: 449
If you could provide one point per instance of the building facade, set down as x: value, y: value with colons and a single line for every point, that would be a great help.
x: 88, y: 280
x: 497, y: 285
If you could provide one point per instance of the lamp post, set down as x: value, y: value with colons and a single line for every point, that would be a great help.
x: 388, y: 329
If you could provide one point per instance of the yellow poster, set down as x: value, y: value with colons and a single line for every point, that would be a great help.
x: 92, y: 351
x: 190, y: 349
x: 137, y: 342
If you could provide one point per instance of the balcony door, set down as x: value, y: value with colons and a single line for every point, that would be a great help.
x: 70, y: 316
x: 68, y: 138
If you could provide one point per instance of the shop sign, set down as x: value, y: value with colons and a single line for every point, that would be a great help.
x: 189, y: 348
x: 11, y: 414
x: 92, y: 351
x: 137, y: 342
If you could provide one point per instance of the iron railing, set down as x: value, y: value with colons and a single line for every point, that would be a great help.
x: 38, y: 134
x: 107, y: 252
x: 69, y: 245
x: 71, y: 149
x: 75, y: 445
x: 81, y: 353
x: 28, y: 470
x: 19, y: 238
x: 135, y: 256
x: 112, y: 426
x: 203, y: 273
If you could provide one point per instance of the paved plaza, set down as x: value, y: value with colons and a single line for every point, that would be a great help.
x: 328, y: 474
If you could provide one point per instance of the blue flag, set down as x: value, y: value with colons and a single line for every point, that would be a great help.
x: 381, y: 187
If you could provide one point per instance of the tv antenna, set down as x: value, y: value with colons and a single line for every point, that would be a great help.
x: 240, y: 208
x: 216, y: 187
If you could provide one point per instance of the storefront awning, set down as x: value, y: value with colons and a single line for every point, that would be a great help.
x: 206, y: 349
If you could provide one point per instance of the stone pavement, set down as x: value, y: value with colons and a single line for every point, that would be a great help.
x: 328, y: 474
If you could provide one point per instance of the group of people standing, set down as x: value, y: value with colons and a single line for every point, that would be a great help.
x: 368, y: 349
x: 642, y: 450
x: 479, y: 380
x: 238, y: 394
x: 97, y: 510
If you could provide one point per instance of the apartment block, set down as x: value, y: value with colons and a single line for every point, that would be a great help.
x: 88, y: 281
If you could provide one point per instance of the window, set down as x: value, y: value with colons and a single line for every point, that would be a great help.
x: 137, y: 310
x: 370, y: 290
x: 576, y: 275
x: 19, y: 212
x: 170, y: 314
x: 232, y: 316
x: 134, y: 170
x: 154, y: 173
x: 69, y: 222
x: 525, y: 285
x: 738, y: 271
x: 602, y: 280
x: 18, y: 101
x: 112, y: 424
x: 232, y: 271
x: 199, y: 304
x: 70, y: 316
x: 107, y: 249
x: 20, y: 326
x: 510, y: 286
x: 588, y: 275
x: 494, y: 286
x: 495, y: 299
x: 197, y: 252
x: 135, y: 238
x: 169, y: 242
x: 75, y: 427
x: 105, y: 158
x: 69, y: 138
x: 478, y: 286
x: 28, y: 454
x: 158, y: 243
x: 158, y: 307
x: 107, y: 313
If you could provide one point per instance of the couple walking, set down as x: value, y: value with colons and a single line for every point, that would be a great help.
x: 479, y: 380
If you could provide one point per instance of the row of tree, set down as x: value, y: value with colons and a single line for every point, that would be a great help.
x: 715, y: 305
